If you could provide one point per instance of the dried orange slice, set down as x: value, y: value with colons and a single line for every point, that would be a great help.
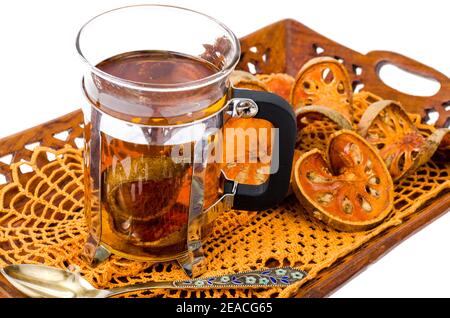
x: 246, y: 80
x: 387, y: 126
x: 323, y: 81
x: 350, y: 189
x: 278, y: 83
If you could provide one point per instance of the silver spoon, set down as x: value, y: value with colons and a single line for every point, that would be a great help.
x: 41, y: 281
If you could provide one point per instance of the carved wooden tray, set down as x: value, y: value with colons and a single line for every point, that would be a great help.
x: 284, y: 47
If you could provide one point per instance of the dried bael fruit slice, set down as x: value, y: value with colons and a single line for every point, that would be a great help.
x: 297, y: 155
x: 361, y: 101
x: 435, y: 142
x: 247, y: 145
x: 350, y: 189
x: 246, y: 80
x: 387, y: 126
x: 135, y: 187
x: 445, y: 143
x: 323, y: 81
x: 315, y: 125
x: 278, y: 83
x: 306, y: 115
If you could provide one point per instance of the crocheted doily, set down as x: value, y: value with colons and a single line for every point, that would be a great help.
x: 41, y: 221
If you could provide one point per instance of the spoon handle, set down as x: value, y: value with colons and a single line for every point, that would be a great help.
x: 265, y: 278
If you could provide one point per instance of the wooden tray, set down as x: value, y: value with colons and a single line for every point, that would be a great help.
x: 284, y: 47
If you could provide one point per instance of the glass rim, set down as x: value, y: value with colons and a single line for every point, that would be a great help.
x: 197, y: 121
x: 206, y: 81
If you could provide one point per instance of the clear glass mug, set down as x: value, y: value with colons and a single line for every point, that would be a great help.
x: 153, y: 187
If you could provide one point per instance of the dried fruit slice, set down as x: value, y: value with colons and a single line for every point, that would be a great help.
x: 247, y: 173
x: 387, y: 126
x: 248, y: 145
x: 145, y: 174
x: 445, y: 143
x: 350, y: 189
x: 297, y: 155
x: 361, y: 101
x: 438, y: 140
x: 306, y: 115
x: 278, y: 83
x: 323, y: 81
x: 246, y: 80
x: 315, y: 125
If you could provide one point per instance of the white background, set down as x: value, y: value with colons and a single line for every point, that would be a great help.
x: 40, y: 80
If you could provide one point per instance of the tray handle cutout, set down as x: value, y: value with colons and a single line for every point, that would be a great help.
x: 436, y: 104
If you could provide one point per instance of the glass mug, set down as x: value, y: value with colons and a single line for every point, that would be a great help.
x: 157, y: 83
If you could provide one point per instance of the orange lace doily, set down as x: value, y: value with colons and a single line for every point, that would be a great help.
x: 41, y: 221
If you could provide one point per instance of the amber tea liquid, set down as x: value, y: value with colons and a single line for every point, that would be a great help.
x: 160, y: 68
x: 145, y: 194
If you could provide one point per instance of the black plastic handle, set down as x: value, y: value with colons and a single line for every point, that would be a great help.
x: 278, y: 111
